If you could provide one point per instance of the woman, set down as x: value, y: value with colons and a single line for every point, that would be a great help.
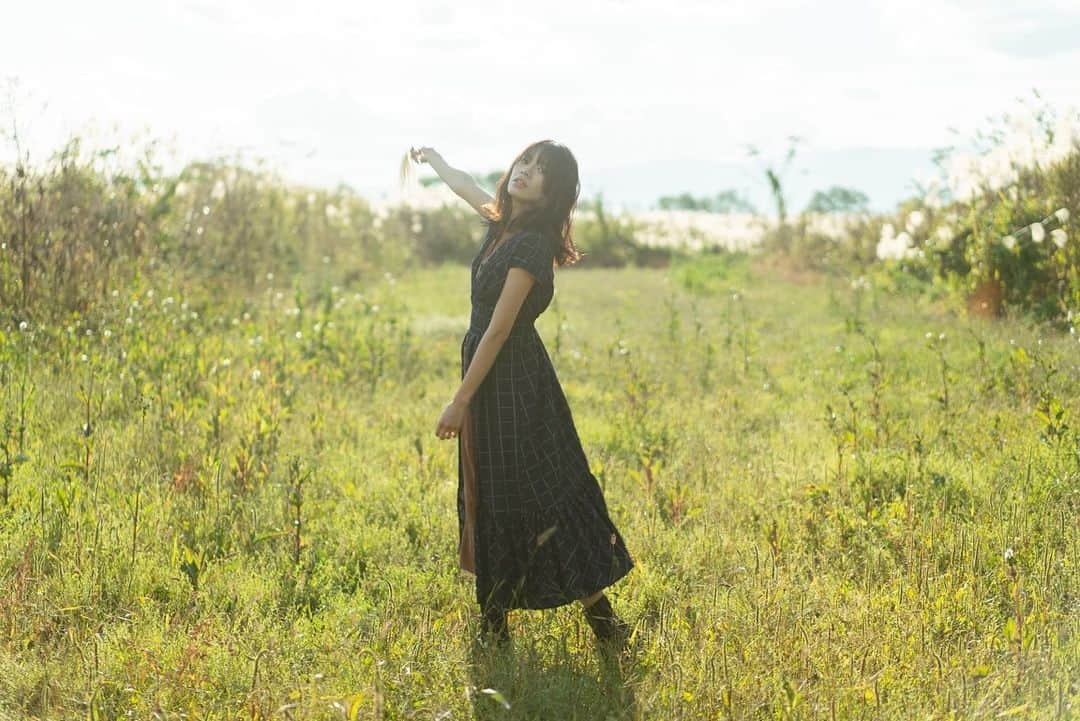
x: 533, y: 523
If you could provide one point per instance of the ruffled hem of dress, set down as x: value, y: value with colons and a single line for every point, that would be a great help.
x: 556, y: 556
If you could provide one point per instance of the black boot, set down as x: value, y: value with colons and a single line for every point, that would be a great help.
x: 611, y: 630
x: 493, y: 624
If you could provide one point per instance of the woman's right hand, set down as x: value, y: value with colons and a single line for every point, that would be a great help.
x: 424, y: 155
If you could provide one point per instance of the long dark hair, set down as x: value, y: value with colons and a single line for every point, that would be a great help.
x: 554, y: 214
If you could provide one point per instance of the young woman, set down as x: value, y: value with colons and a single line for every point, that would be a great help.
x: 533, y: 523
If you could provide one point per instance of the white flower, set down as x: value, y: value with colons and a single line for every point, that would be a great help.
x: 226, y: 362
x: 944, y: 235
x: 1038, y: 232
x: 1062, y: 214
x: 84, y: 357
x: 299, y: 335
x: 256, y: 374
x: 1009, y: 553
x: 915, y: 221
x: 206, y: 210
x: 107, y: 333
x: 860, y: 283
x: 1059, y: 237
x: 892, y: 245
x: 23, y: 325
x: 1009, y: 242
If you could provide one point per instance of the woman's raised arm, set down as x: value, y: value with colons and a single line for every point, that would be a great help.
x: 457, y: 180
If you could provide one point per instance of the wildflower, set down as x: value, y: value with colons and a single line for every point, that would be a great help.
x: 915, y: 221
x: 226, y: 362
x: 84, y: 357
x: 23, y: 325
x: 929, y: 335
x: 299, y: 335
x: 1038, y: 232
x: 206, y: 210
x: 1009, y: 553
x: 1059, y: 237
x: 115, y: 293
x: 256, y: 374
x: 1009, y: 242
x: 107, y: 333
x: 1062, y: 215
x: 944, y: 235
x: 326, y: 259
x: 129, y: 320
x: 941, y: 336
x: 269, y: 276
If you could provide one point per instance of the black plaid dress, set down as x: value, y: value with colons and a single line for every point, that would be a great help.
x: 533, y: 523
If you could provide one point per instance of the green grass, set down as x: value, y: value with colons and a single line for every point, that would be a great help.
x: 842, y: 504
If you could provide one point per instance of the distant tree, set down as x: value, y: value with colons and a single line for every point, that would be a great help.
x: 728, y: 201
x: 683, y: 201
x: 838, y: 199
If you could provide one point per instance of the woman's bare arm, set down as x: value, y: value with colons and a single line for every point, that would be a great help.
x: 514, y: 291
x: 457, y: 180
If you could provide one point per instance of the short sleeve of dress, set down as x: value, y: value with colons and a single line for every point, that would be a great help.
x: 533, y: 252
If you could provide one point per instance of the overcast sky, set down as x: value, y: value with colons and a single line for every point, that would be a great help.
x: 653, y: 96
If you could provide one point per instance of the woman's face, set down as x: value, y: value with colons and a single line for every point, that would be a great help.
x: 527, y: 179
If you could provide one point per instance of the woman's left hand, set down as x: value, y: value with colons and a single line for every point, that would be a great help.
x: 451, y: 420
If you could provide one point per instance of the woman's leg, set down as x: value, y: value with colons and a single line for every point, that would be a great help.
x: 607, y: 626
x: 590, y: 600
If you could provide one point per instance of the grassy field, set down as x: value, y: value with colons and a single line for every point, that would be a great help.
x: 843, y: 503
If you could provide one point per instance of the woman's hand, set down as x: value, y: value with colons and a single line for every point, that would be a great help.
x: 451, y: 420
x: 424, y: 155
